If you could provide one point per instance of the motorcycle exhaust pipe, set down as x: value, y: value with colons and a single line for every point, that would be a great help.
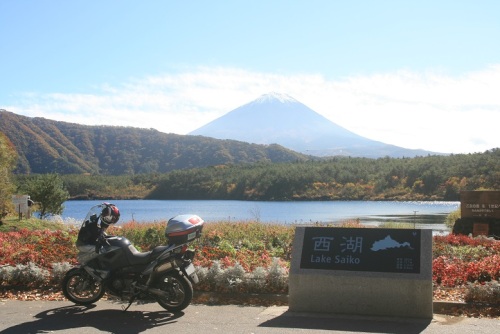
x: 158, y: 270
x: 163, y: 267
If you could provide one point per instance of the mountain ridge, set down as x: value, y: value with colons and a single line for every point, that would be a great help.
x: 47, y: 146
x: 281, y: 119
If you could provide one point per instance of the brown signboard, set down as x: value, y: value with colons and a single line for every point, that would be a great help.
x: 484, y: 204
x: 480, y: 229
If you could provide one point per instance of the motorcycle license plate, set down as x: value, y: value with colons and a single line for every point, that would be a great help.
x: 189, y: 269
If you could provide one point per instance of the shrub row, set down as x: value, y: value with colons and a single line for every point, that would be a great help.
x: 237, y: 256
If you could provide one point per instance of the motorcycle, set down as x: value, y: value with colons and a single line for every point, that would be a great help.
x: 165, y: 274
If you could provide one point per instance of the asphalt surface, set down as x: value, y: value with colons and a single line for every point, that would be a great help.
x: 22, y: 317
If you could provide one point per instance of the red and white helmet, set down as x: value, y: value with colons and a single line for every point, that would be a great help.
x: 110, y: 214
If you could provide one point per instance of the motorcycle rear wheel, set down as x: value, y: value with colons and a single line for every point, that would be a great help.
x: 179, y: 292
x: 81, y: 288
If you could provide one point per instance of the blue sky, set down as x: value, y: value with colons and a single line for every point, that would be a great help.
x: 417, y: 74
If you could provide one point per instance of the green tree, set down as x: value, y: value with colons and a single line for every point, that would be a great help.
x: 48, y: 192
x: 8, y: 158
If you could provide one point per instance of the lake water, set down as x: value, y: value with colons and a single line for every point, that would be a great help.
x: 420, y: 214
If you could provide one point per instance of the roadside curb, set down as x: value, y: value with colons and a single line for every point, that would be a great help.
x: 221, y: 298
x: 443, y: 307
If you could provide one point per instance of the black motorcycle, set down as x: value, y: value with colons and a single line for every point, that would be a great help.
x: 164, y: 274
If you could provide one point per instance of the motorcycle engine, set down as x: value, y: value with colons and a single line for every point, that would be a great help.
x: 118, y: 284
x: 120, y: 287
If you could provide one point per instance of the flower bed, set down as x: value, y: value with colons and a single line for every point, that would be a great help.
x: 245, y: 257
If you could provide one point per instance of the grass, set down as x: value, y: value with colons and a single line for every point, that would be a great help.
x: 10, y: 224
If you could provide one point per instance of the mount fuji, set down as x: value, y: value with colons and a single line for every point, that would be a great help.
x: 280, y: 119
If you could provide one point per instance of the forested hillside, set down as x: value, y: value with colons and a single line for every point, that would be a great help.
x: 117, y: 162
x: 424, y: 178
x: 421, y: 178
x: 47, y: 146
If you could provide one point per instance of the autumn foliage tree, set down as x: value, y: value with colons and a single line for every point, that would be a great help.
x: 8, y: 158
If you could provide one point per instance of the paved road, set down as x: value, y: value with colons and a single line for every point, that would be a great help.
x: 18, y: 317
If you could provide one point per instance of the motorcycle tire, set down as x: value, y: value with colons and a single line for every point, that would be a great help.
x: 179, y: 291
x: 81, y: 288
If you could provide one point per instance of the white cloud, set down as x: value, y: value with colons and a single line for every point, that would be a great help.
x: 430, y: 110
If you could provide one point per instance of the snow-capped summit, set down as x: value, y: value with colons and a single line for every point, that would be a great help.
x: 274, y: 96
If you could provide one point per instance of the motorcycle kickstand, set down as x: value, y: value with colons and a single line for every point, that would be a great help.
x: 132, y: 299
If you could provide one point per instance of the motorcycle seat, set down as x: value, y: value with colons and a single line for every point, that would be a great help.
x: 144, y: 257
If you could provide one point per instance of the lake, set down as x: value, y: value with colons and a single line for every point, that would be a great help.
x: 419, y: 213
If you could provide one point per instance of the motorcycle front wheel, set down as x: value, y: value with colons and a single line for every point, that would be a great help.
x: 178, y: 292
x: 81, y: 288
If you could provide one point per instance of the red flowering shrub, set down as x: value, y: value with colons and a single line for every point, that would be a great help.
x: 458, y: 259
x: 40, y: 247
x: 454, y: 272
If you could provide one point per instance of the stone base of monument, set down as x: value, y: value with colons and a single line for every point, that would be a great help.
x: 367, y: 272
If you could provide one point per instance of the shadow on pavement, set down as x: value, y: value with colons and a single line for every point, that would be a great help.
x: 104, y: 320
x: 347, y: 323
